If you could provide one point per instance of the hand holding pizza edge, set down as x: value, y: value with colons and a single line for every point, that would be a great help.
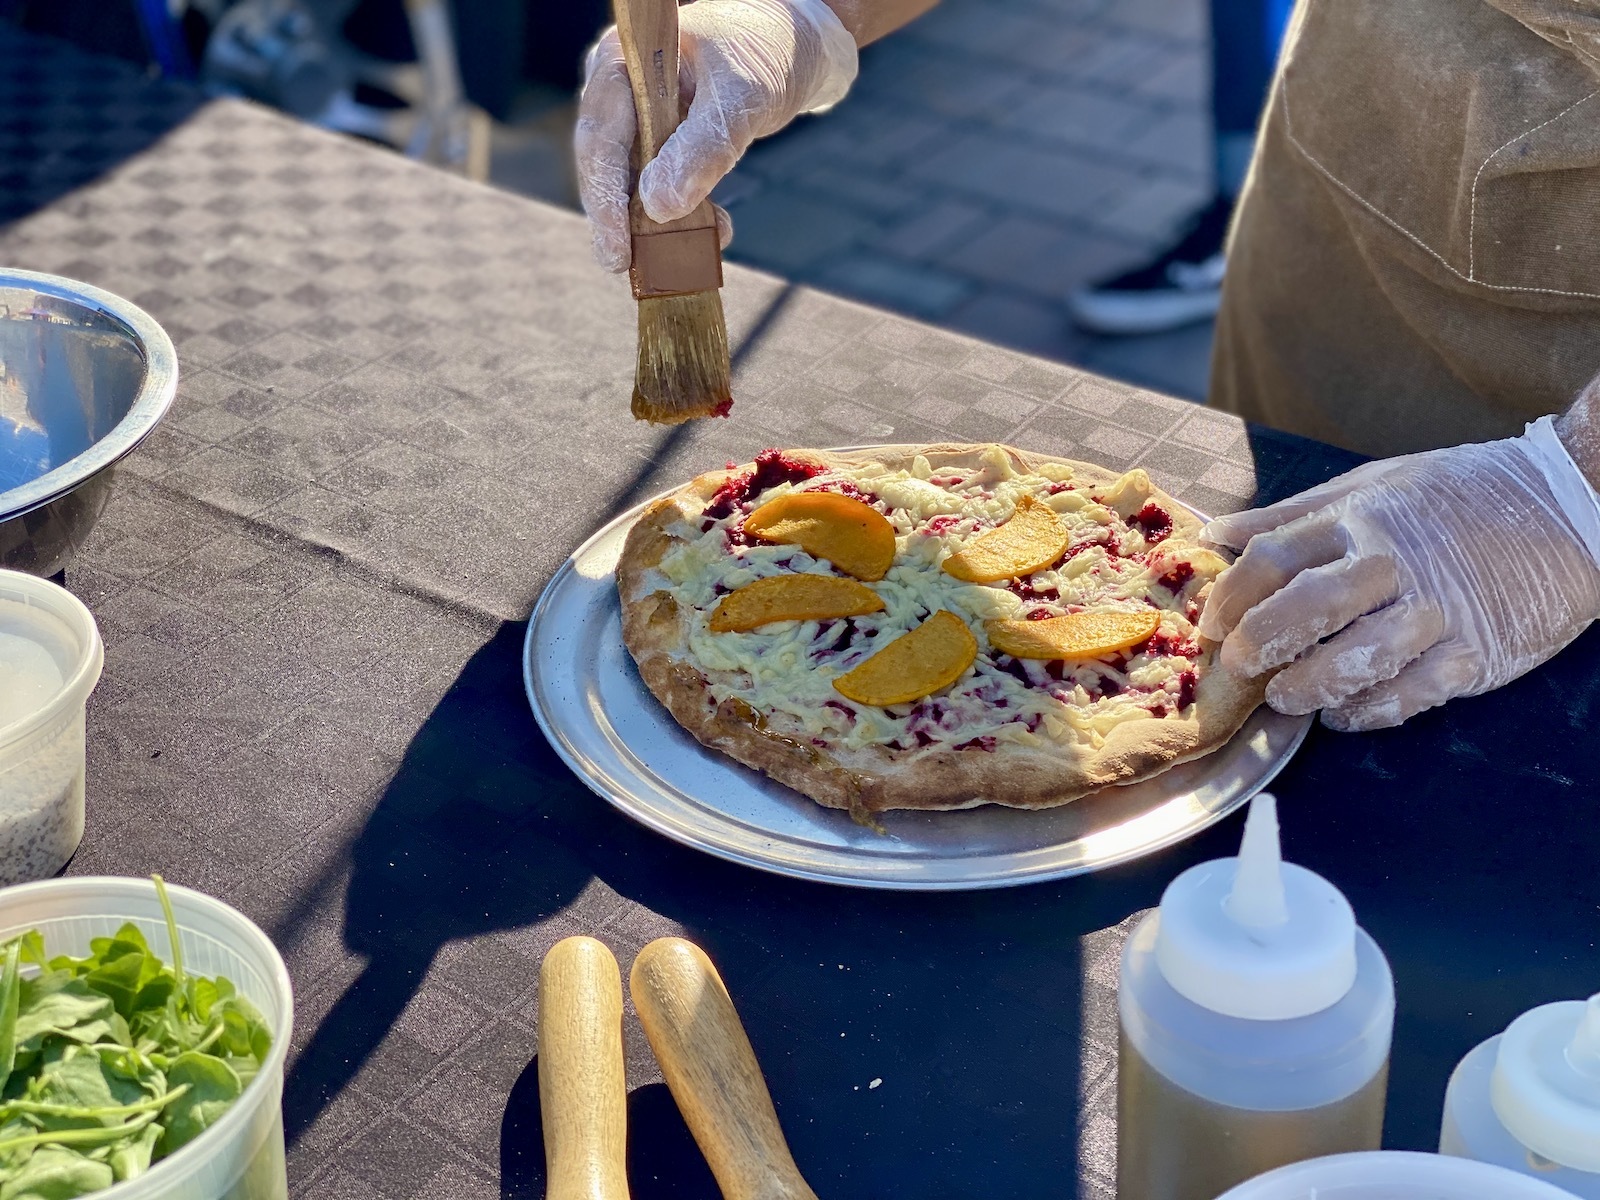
x: 1409, y: 581
x: 747, y: 68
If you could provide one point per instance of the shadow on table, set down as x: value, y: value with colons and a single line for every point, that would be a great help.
x: 481, y: 829
x: 663, y: 1161
x: 1286, y: 463
x: 106, y: 109
x: 925, y: 1044
x: 463, y: 842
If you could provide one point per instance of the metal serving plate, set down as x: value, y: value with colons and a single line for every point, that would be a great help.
x: 606, y: 726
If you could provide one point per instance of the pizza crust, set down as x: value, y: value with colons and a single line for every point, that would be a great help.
x: 875, y: 779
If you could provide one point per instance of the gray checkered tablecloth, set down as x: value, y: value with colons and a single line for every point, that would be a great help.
x: 404, y: 400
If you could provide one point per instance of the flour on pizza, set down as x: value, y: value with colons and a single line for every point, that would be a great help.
x: 1030, y: 729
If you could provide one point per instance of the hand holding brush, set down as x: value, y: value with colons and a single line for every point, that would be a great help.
x: 749, y: 66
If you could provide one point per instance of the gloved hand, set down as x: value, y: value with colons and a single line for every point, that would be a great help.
x: 1435, y: 575
x: 747, y: 68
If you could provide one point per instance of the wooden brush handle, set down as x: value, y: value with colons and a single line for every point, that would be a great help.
x: 648, y: 30
x: 712, y: 1071
x: 583, y: 1092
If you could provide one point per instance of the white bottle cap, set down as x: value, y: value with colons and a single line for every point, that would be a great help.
x: 1546, y: 1083
x: 1254, y: 936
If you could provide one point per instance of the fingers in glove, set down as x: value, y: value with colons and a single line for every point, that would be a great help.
x: 1267, y: 564
x: 1312, y: 605
x: 1235, y: 530
x: 724, y: 225
x: 1446, y: 671
x: 1368, y: 651
x: 700, y: 152
x: 602, y: 142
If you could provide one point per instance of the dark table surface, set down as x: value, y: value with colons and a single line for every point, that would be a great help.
x: 403, y: 402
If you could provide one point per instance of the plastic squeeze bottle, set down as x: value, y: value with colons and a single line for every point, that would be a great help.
x: 1529, y: 1098
x: 1256, y: 1021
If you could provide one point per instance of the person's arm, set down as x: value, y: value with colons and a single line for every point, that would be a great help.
x: 1413, y: 580
x: 869, y: 20
x: 1579, y: 430
x: 748, y: 68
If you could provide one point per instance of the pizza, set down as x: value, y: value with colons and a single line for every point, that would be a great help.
x: 932, y: 627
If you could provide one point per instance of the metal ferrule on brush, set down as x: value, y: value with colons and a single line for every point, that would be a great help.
x: 675, y: 263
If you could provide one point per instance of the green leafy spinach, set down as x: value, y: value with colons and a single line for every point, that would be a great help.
x: 110, y: 1062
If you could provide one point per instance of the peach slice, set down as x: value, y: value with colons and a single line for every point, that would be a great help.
x: 853, y: 536
x: 1076, y: 635
x: 916, y: 664
x: 1031, y: 540
x: 792, y: 598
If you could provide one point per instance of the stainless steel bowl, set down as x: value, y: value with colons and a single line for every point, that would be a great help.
x: 84, y: 377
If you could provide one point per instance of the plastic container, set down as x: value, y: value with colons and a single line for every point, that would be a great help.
x: 1392, y: 1175
x: 50, y: 660
x: 241, y: 1157
x: 1529, y: 1099
x: 1256, y: 1022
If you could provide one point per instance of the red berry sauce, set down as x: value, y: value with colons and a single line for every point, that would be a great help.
x: 772, y: 468
x: 845, y: 488
x: 1178, y: 578
x: 1159, y: 644
x: 1187, y: 682
x: 1027, y: 591
x: 1154, y: 522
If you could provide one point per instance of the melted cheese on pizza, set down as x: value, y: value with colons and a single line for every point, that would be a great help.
x: 1114, y: 560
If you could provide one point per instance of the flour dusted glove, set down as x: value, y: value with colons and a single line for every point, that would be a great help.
x: 1409, y: 581
x: 748, y: 68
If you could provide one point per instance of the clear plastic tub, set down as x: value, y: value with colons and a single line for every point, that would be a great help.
x: 50, y: 660
x: 1393, y: 1175
x: 241, y: 1157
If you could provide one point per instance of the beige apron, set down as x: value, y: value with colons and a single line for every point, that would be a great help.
x: 1416, y: 257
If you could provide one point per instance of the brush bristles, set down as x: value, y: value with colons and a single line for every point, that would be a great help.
x: 683, y: 370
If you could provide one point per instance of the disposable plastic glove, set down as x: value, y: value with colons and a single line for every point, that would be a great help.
x: 1431, y: 576
x: 747, y: 68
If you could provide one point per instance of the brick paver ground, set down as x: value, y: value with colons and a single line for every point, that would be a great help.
x: 991, y: 155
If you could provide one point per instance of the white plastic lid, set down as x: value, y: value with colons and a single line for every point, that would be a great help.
x: 1393, y: 1175
x: 1546, y: 1083
x: 1254, y: 936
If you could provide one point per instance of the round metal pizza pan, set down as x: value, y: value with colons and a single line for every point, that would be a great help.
x: 604, y: 723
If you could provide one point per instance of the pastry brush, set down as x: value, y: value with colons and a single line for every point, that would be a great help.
x: 683, y: 370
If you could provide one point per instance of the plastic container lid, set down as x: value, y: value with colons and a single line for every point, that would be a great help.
x: 1546, y: 1083
x: 1393, y: 1175
x: 55, y: 623
x: 1256, y: 937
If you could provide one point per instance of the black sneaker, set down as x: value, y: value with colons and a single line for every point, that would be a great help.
x: 1180, y: 286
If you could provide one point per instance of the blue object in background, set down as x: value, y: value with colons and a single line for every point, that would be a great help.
x: 164, y: 37
x: 1277, y: 24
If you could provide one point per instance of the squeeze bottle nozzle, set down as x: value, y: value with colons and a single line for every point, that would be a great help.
x: 1257, y: 900
x: 1545, y: 1088
x: 1583, y: 1055
x: 1254, y: 936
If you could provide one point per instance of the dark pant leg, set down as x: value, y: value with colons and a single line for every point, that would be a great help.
x: 1244, y: 48
x: 1241, y: 62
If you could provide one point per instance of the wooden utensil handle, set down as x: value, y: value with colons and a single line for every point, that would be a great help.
x: 712, y: 1071
x: 583, y: 1091
x: 648, y: 30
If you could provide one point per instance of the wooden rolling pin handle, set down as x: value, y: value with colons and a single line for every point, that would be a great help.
x: 712, y: 1071
x: 583, y: 1090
